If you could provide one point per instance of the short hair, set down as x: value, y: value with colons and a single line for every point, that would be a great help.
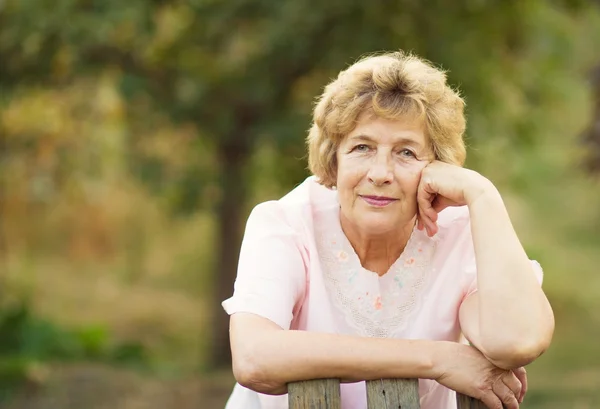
x: 391, y: 86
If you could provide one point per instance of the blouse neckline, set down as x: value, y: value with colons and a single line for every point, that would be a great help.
x: 372, y: 305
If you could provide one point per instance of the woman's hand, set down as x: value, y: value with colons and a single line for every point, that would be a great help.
x: 443, y: 185
x: 464, y: 369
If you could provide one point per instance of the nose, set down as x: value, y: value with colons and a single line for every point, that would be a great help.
x: 381, y: 173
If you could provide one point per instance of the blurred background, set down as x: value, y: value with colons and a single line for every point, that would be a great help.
x: 135, y: 137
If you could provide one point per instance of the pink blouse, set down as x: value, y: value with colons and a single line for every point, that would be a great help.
x: 298, y: 269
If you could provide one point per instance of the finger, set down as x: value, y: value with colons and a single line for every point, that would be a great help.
x: 421, y: 225
x: 426, y: 194
x: 433, y: 214
x: 424, y: 199
x: 424, y: 225
x: 430, y: 226
x: 505, y: 394
x: 521, y: 374
x: 426, y: 211
x: 491, y: 401
x: 440, y: 203
x: 513, y: 383
x: 433, y: 229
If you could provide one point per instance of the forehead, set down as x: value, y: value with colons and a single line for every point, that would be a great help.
x: 385, y: 130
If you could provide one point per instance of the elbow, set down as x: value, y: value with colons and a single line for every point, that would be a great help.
x: 516, y: 356
x: 251, y: 371
x: 519, y: 353
x: 247, y: 373
x: 516, y: 350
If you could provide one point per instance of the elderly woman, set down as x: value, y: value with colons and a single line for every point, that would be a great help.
x: 378, y: 264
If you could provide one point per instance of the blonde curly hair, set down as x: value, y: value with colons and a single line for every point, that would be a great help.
x: 391, y: 86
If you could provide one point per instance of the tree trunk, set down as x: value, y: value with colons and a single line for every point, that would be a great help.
x: 3, y: 213
x: 592, y: 135
x: 234, y: 158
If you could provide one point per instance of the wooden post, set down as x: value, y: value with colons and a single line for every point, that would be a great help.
x: 393, y: 393
x: 315, y: 394
x: 466, y: 402
x: 381, y: 394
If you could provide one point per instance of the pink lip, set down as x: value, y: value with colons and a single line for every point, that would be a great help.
x: 379, y: 201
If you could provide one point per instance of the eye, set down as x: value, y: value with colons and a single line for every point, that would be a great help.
x: 407, y: 153
x: 361, y: 148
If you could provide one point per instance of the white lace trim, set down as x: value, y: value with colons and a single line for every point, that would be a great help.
x: 374, y: 306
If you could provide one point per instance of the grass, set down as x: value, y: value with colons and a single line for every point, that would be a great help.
x: 164, y: 307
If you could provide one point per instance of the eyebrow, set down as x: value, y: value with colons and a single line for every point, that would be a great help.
x: 400, y: 141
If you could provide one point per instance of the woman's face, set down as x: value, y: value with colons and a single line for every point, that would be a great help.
x: 379, y: 168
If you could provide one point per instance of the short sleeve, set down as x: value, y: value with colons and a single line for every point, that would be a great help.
x: 271, y: 276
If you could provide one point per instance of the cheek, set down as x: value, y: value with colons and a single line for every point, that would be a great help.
x: 349, y: 173
x: 410, y: 173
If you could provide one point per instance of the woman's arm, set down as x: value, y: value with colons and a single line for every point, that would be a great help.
x: 509, y: 319
x: 266, y: 358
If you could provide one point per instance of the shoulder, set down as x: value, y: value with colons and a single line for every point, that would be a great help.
x: 295, y: 210
x: 309, y: 194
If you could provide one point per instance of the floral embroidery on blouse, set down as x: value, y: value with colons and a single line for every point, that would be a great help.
x: 374, y: 306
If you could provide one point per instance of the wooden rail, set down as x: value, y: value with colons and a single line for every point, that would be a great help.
x: 381, y: 394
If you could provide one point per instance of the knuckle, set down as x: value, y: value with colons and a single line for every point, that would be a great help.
x: 483, y: 390
x: 491, y: 401
x: 519, y: 384
x: 508, y: 397
x: 497, y: 405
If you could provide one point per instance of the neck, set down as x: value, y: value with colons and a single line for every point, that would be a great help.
x: 377, y: 252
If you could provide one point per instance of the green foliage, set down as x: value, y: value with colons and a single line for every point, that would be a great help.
x: 245, y: 72
x: 27, y: 343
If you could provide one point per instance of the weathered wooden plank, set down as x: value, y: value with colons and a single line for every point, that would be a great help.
x: 315, y: 394
x: 466, y: 402
x: 393, y: 394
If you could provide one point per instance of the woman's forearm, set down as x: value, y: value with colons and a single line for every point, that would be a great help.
x: 515, y: 316
x: 271, y: 357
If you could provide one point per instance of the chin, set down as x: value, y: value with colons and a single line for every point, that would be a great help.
x: 376, y: 226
